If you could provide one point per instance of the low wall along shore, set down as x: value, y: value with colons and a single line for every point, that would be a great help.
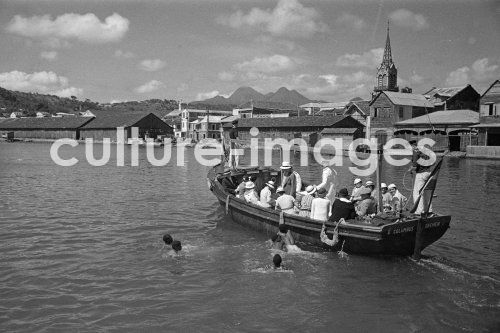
x: 483, y: 151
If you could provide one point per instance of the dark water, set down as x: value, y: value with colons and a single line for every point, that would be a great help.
x: 81, y: 250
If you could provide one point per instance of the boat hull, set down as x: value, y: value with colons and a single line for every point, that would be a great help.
x: 397, y: 238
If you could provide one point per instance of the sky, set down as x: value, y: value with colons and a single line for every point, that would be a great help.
x: 125, y: 50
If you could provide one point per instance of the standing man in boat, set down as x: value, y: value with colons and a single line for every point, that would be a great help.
x: 422, y: 174
x: 290, y: 179
x: 233, y: 145
x: 328, y: 181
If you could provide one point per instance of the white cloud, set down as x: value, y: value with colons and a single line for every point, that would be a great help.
x: 86, y: 27
x: 124, y: 54
x: 479, y: 72
x: 206, y: 95
x: 151, y: 65
x: 351, y: 21
x: 407, y: 19
x: 148, y: 87
x: 482, y: 71
x: 272, y: 64
x: 458, y: 77
x: 288, y: 18
x: 49, y: 55
x: 226, y: 76
x: 41, y: 82
x: 370, y: 59
x: 182, y: 87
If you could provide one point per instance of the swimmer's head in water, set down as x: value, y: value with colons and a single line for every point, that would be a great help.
x: 168, y: 239
x: 277, y: 260
x: 276, y: 238
x: 283, y: 228
x: 176, y: 246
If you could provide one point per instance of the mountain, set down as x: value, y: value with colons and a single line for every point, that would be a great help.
x: 283, y: 95
x: 244, y: 95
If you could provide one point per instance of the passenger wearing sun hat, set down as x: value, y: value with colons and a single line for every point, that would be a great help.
x: 358, y: 187
x: 250, y: 193
x: 367, y: 205
x: 290, y: 179
x: 371, y: 185
x: 284, y: 202
x: 386, y: 197
x: 306, y: 201
x: 240, y: 190
x: 398, y: 200
x: 320, y: 206
x: 328, y: 180
x: 265, y: 194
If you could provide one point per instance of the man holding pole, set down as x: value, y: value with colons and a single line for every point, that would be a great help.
x: 233, y: 145
x: 422, y: 174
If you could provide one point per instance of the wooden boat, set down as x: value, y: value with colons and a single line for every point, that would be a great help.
x: 382, y: 236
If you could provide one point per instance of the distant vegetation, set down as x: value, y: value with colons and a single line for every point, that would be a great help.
x: 31, y: 103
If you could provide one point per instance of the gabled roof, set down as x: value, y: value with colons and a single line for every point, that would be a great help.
x: 398, y: 98
x: 492, y: 94
x: 45, y: 123
x: 297, y: 122
x: 362, y: 106
x: 336, y: 105
x: 449, y: 117
x: 213, y: 119
x: 339, y: 130
x: 437, y: 96
x: 110, y: 119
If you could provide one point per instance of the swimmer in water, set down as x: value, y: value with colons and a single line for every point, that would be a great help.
x: 286, y: 235
x: 176, y: 246
x: 167, y: 239
x: 277, y: 242
x: 277, y: 261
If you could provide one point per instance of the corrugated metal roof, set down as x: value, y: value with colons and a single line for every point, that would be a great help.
x: 492, y: 94
x: 335, y: 105
x: 445, y: 91
x: 407, y: 99
x: 338, y: 130
x: 363, y: 106
x: 45, y: 123
x: 268, y: 105
x: 449, y: 117
x: 307, y: 121
x: 112, y: 119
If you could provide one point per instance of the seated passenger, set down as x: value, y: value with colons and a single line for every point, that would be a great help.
x: 284, y: 201
x: 342, y: 207
x: 265, y: 194
x: 386, y: 198
x: 398, y: 201
x: 306, y: 201
x: 358, y: 186
x: 240, y: 190
x: 250, y: 194
x: 367, y: 205
x: 320, y: 207
x: 371, y: 185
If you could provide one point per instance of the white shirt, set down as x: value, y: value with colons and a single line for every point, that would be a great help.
x: 327, y: 182
x: 251, y: 196
x: 265, y: 196
x: 320, y: 209
x: 285, y: 203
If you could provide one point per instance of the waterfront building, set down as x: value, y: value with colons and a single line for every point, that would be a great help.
x: 316, y: 109
x: 359, y: 110
x: 450, y: 129
x: 454, y: 98
x: 41, y: 114
x: 16, y: 114
x: 308, y: 127
x: 206, y: 127
x: 104, y: 125
x: 266, y: 109
x: 488, y: 144
x: 388, y: 108
x: 44, y: 128
x: 190, y: 115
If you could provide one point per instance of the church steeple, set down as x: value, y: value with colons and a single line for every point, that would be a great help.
x: 387, y: 74
x: 387, y: 52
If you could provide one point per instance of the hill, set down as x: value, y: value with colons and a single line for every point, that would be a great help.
x: 243, y: 95
x: 31, y: 103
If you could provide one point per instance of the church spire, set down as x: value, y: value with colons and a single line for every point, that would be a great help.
x: 387, y: 52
